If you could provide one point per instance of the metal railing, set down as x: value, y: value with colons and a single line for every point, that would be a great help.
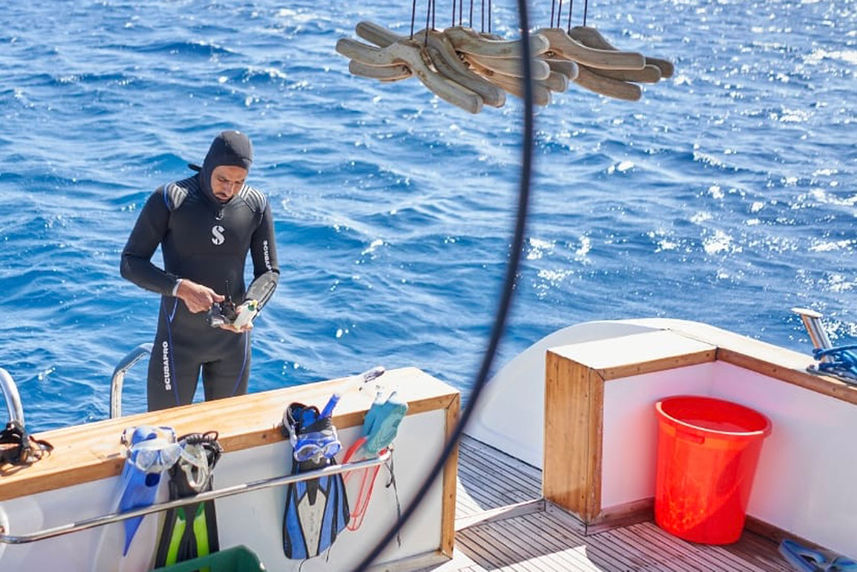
x: 118, y: 379
x: 113, y: 517
x: 12, y: 397
x: 817, y: 335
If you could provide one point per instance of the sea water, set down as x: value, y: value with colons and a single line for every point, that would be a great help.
x: 726, y: 195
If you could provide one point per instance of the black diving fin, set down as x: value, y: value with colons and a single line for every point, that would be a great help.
x: 190, y: 531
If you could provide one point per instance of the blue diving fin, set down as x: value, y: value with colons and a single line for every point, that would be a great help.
x: 316, y: 510
x: 808, y: 559
x: 149, y: 454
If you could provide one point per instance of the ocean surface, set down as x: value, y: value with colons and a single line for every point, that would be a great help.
x: 726, y: 195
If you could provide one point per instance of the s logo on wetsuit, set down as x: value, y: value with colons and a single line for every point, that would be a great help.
x: 217, y: 235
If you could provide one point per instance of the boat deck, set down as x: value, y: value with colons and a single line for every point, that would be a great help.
x: 503, y: 524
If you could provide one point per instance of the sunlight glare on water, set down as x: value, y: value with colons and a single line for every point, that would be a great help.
x: 726, y: 195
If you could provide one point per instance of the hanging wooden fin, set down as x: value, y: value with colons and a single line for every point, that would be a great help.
x: 593, y: 81
x: 468, y: 41
x: 444, y: 59
x: 564, y: 45
x: 363, y: 53
x: 512, y: 66
x: 383, y: 73
x: 376, y: 34
x: 514, y: 85
x: 593, y: 38
x: 649, y: 74
x: 557, y: 82
x: 416, y: 58
x: 567, y: 68
x: 448, y: 64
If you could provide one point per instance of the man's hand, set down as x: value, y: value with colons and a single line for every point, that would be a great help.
x: 244, y: 320
x: 245, y: 328
x: 197, y: 298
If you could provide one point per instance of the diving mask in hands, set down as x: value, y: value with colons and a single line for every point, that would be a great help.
x: 226, y: 313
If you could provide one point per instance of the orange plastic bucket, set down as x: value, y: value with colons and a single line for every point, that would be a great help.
x: 708, y: 450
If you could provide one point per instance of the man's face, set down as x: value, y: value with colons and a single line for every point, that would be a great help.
x: 226, y: 180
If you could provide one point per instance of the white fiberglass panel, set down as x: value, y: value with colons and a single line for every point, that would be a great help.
x: 630, y: 428
x: 805, y: 481
x: 252, y: 519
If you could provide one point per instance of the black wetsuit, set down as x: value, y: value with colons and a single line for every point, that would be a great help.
x: 205, y: 241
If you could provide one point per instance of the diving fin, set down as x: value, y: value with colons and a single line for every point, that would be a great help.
x: 262, y: 287
x: 190, y: 531
x: 808, y: 559
x: 150, y: 451
x: 316, y: 510
x: 139, y: 491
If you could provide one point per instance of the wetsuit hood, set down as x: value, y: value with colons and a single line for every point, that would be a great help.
x: 231, y: 148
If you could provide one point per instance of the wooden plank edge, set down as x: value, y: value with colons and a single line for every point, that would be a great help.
x: 777, y: 534
x: 760, y: 356
x: 824, y: 384
x: 565, y: 472
x: 626, y: 514
x: 661, y: 364
x: 425, y: 561
x: 594, y: 445
x: 450, y: 481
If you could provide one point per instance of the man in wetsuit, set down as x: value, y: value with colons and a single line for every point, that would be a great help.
x: 205, y: 225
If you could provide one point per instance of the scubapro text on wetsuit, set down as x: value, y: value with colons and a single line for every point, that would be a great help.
x: 166, y: 357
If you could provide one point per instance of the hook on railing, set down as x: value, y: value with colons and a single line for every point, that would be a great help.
x: 118, y: 379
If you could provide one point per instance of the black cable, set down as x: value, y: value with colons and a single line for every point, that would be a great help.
x: 428, y: 20
x: 489, y: 16
x: 570, y: 9
x: 505, y: 298
x: 585, y: 8
x: 413, y: 16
